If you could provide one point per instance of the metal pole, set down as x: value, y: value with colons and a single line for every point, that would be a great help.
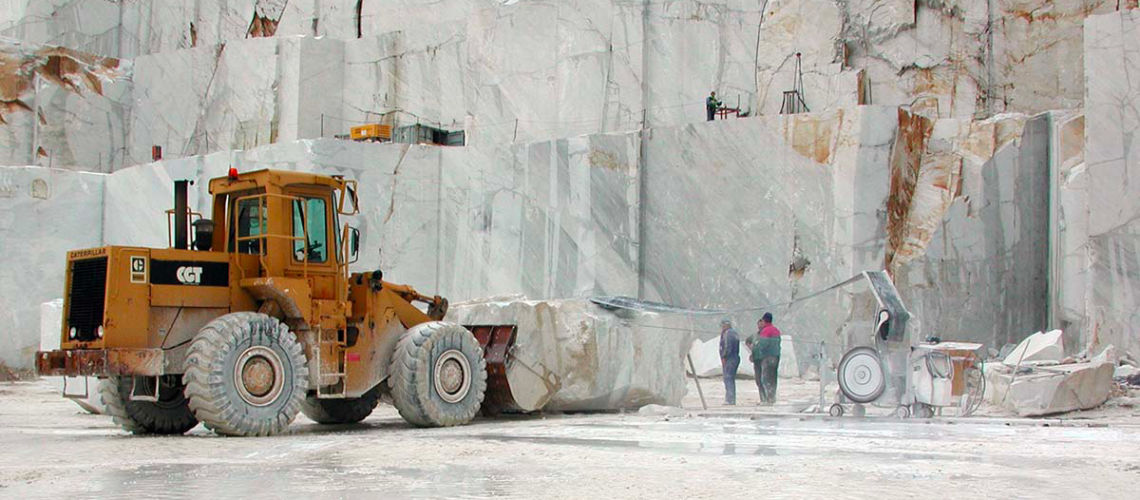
x: 822, y: 351
x: 697, y: 380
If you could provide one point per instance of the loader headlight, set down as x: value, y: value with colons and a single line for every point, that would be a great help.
x: 99, y: 331
x: 71, y: 334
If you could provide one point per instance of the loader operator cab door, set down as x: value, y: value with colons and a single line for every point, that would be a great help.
x: 314, y: 246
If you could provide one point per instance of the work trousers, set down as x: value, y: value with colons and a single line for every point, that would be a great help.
x: 728, y: 371
x: 711, y: 113
x: 766, y: 376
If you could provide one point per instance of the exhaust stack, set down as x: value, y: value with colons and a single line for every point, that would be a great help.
x: 181, y: 214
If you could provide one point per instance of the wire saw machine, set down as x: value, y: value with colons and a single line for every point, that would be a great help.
x: 915, y: 379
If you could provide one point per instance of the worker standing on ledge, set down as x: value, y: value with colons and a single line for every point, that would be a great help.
x: 711, y: 105
x: 729, y: 359
x: 765, y: 358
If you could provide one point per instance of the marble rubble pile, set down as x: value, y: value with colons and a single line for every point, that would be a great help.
x: 1037, y: 379
x: 573, y: 355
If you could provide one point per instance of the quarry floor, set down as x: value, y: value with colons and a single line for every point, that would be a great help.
x: 52, y: 449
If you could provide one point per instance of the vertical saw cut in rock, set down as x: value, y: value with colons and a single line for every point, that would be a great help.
x: 574, y: 355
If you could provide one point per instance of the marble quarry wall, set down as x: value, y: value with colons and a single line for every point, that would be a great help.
x: 947, y: 143
x: 1100, y: 209
x: 738, y: 214
x: 215, y: 75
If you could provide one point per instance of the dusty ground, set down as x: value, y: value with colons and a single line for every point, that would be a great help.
x: 52, y: 449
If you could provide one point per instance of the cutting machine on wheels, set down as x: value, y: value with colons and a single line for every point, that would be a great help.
x: 890, y: 372
x: 243, y: 326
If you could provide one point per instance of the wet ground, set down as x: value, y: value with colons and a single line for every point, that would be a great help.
x: 52, y: 449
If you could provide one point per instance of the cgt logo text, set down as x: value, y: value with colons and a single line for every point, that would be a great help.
x: 189, y: 275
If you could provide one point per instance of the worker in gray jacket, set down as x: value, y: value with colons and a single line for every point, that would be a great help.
x: 729, y: 359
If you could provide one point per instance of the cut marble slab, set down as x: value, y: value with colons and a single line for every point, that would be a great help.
x: 1041, y: 346
x: 572, y: 355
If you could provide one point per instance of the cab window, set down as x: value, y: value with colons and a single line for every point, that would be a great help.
x: 249, y: 220
x: 309, y: 214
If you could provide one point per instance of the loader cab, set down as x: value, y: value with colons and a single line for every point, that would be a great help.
x: 286, y: 224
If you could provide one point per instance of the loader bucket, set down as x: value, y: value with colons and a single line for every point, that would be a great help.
x: 496, y: 341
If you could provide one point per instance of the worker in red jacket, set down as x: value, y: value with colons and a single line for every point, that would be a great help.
x: 765, y: 357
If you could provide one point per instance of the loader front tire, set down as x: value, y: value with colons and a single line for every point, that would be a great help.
x: 246, y: 375
x: 438, y: 375
x: 341, y: 411
x: 169, y: 415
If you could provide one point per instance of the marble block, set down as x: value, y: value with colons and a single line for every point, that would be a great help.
x: 43, y: 214
x: 1112, y: 161
x: 1049, y: 390
x: 572, y: 355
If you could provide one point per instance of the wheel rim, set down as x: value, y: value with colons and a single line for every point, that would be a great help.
x: 452, y: 376
x: 259, y: 375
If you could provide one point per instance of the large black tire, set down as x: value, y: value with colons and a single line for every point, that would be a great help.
x: 246, y: 375
x: 438, y: 375
x: 341, y: 411
x: 169, y: 415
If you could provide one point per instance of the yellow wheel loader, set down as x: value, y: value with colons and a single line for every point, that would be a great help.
x: 253, y: 316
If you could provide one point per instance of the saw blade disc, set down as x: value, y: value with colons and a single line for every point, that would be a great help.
x: 861, y: 376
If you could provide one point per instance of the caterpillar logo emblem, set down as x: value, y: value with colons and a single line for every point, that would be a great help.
x: 189, y: 275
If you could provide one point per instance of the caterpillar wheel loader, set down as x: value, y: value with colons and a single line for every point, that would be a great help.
x: 253, y: 316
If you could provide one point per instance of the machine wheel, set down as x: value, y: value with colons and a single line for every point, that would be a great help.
x: 861, y: 375
x: 902, y: 411
x: 169, y: 415
x: 922, y: 410
x: 438, y: 375
x: 341, y: 411
x: 246, y: 375
x: 836, y: 410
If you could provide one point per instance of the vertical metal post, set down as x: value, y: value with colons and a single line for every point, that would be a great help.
x: 697, y: 380
x: 693, y: 368
x: 822, y: 382
x: 181, y: 213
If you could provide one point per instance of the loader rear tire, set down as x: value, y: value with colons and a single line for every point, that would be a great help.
x: 246, y: 375
x: 169, y: 415
x: 341, y: 411
x: 438, y: 375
